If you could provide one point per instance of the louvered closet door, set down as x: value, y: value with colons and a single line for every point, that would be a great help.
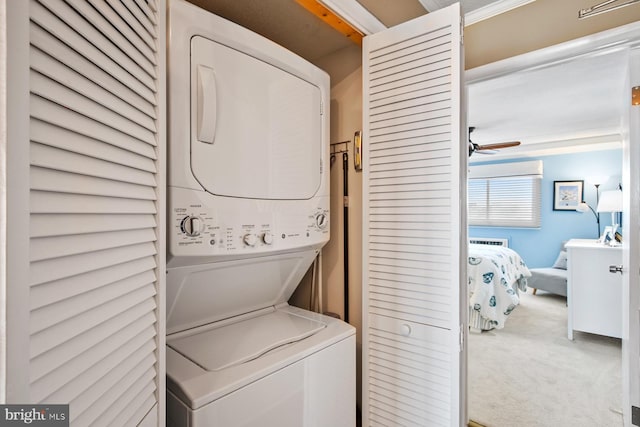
x: 96, y: 268
x: 413, y: 223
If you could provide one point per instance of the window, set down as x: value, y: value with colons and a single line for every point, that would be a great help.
x: 505, y: 195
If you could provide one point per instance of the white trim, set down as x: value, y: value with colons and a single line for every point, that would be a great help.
x: 430, y: 5
x: 355, y: 14
x: 157, y: 415
x: 631, y: 245
x: 491, y: 10
x: 17, y: 202
x: 530, y: 168
x: 482, y: 13
x: 3, y: 200
x: 594, y: 44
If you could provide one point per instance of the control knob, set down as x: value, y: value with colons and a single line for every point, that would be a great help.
x: 250, y: 239
x: 267, y: 238
x: 321, y: 221
x: 191, y: 225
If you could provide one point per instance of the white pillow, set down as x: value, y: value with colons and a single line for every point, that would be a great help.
x: 561, y: 261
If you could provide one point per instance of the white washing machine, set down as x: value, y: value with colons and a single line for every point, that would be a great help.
x: 248, y: 212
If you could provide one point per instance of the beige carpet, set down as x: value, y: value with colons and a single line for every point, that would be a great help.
x: 530, y: 374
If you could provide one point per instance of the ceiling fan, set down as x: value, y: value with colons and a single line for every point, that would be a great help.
x: 488, y: 148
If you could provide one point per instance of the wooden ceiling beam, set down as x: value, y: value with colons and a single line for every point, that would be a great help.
x: 330, y: 18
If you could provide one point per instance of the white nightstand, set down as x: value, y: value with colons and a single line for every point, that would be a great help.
x: 594, y: 295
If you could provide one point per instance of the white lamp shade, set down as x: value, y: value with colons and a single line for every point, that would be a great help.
x: 582, y: 207
x: 610, y: 201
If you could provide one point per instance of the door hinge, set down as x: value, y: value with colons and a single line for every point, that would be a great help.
x: 321, y: 108
x: 635, y: 95
x: 462, y: 30
x: 635, y: 416
x: 461, y: 337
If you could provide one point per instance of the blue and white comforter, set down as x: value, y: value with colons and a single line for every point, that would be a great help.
x: 495, y: 275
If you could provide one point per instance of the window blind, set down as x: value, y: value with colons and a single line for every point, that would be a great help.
x: 505, y: 195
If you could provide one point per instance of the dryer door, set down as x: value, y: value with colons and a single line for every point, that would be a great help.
x: 255, y: 129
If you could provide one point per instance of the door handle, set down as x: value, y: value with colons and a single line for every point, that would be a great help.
x: 615, y: 269
x: 207, y: 104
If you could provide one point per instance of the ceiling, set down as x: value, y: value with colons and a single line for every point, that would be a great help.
x: 290, y: 25
x: 576, y: 101
x: 402, y: 10
x: 467, y: 5
x: 282, y: 21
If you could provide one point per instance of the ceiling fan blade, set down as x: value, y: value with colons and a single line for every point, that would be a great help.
x: 498, y: 145
x: 488, y: 148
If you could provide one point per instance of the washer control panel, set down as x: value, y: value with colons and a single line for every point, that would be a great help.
x: 197, y: 229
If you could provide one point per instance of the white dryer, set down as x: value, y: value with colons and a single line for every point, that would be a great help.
x: 248, y: 212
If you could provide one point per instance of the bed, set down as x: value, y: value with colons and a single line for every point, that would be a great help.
x: 496, y: 275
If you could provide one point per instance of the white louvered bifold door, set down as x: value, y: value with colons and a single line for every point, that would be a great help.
x: 97, y: 209
x: 414, y: 224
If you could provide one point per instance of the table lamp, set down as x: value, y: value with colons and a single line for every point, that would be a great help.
x: 611, y: 201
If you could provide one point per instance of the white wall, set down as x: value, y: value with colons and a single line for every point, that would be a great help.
x: 345, y: 70
x: 346, y: 118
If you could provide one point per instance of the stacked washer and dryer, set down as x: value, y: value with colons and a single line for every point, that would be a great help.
x: 248, y: 191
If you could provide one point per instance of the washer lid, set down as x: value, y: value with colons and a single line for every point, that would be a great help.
x: 240, y: 342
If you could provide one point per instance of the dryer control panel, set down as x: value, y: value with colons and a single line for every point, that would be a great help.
x: 207, y: 225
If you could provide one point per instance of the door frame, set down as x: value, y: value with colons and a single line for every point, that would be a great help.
x: 14, y: 201
x: 621, y: 38
x: 631, y: 245
x: 617, y: 38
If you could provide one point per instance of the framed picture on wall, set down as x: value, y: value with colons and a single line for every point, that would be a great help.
x: 567, y: 195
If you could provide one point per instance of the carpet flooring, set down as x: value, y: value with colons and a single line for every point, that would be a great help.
x: 530, y: 374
